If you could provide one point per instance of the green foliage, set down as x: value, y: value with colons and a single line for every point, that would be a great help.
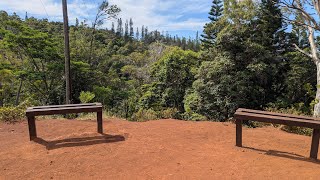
x: 172, y: 75
x: 218, y: 90
x: 169, y: 113
x: 210, y: 29
x: 240, y: 68
x: 191, y: 101
x: 102, y: 94
x: 86, y: 97
x: 144, y: 115
x: 11, y: 114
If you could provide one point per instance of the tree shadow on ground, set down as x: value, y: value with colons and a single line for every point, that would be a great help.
x: 285, y: 155
x: 83, y: 141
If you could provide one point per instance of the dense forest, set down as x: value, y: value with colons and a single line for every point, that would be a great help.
x: 246, y: 57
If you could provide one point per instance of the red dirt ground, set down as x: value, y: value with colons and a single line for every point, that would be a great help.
x: 162, y: 149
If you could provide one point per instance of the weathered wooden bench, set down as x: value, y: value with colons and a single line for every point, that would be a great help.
x: 31, y: 112
x: 279, y: 118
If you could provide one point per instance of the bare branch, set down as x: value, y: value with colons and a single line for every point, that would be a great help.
x: 302, y: 51
x: 298, y: 7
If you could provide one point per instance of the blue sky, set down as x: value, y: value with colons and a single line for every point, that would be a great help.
x: 181, y: 17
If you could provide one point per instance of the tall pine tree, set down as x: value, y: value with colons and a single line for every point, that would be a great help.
x: 210, y: 32
x: 126, y: 31
x: 112, y: 27
x: 137, y: 34
x: 131, y: 28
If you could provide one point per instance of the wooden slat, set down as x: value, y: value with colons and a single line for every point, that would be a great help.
x: 239, y: 133
x: 277, y: 114
x: 99, y: 122
x: 32, y: 128
x: 240, y: 115
x: 63, y: 110
x: 64, y: 105
x: 315, y: 144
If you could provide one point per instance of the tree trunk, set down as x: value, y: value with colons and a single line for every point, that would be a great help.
x: 316, y: 112
x: 316, y: 60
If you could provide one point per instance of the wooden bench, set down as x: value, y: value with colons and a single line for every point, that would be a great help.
x: 31, y: 112
x: 279, y: 118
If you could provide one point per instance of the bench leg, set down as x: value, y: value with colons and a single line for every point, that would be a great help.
x: 99, y: 121
x: 315, y: 144
x: 239, y: 133
x: 32, y: 128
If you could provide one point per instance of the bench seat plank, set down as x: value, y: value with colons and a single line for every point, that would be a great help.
x: 64, y: 105
x: 277, y: 114
x: 37, y: 111
x: 278, y: 120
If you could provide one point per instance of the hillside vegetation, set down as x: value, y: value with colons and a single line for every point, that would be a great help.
x: 245, y: 59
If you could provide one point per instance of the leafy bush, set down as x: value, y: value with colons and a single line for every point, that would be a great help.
x: 191, y: 100
x: 169, y: 113
x: 86, y: 97
x: 291, y: 110
x: 11, y: 114
x: 194, y: 117
x: 144, y: 115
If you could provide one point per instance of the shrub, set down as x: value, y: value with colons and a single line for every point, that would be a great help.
x: 169, y: 113
x: 12, y: 114
x: 290, y: 110
x: 194, y: 117
x: 86, y: 97
x: 144, y: 115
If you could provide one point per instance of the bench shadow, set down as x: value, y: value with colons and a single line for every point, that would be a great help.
x: 83, y: 141
x: 285, y: 155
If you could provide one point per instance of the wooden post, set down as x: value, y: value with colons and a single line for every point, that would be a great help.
x: 32, y: 128
x: 99, y: 121
x: 315, y: 144
x: 66, y: 51
x: 239, y: 133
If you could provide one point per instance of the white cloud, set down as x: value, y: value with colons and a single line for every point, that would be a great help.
x: 49, y: 8
x: 32, y: 6
x: 152, y: 13
x: 167, y: 15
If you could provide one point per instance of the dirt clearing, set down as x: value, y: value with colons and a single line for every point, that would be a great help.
x: 162, y: 149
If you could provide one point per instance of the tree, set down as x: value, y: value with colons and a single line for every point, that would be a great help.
x: 105, y: 11
x: 197, y: 43
x: 242, y: 67
x: 142, y: 33
x: 210, y: 32
x: 126, y: 30
x: 137, y: 34
x: 269, y: 23
x: 38, y: 56
x: 307, y: 11
x: 173, y: 74
x: 146, y: 34
x: 112, y: 27
x: 131, y: 28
